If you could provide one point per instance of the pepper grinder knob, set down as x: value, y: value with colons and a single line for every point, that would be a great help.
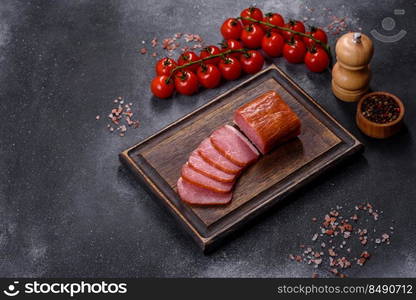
x: 357, y: 37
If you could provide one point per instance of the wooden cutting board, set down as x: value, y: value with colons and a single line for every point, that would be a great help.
x: 157, y: 161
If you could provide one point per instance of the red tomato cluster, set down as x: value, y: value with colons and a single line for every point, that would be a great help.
x: 276, y: 42
x: 207, y: 73
x: 239, y: 33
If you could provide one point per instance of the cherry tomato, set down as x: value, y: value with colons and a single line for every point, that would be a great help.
x: 232, y: 44
x: 294, y: 51
x: 274, y: 19
x: 230, y: 68
x: 317, y: 33
x: 209, y: 76
x: 186, y: 82
x: 272, y: 44
x: 160, y: 88
x: 294, y: 25
x: 186, y: 57
x: 165, y: 66
x: 316, y: 59
x: 210, y: 50
x: 252, y: 61
x: 231, y: 29
x: 252, y: 35
x: 251, y: 12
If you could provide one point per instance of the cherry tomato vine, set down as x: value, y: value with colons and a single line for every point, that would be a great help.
x: 250, y: 30
x: 310, y: 36
x: 199, y: 61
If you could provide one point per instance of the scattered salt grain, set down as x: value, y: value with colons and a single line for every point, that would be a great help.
x: 170, y: 44
x: 121, y: 116
x: 153, y: 42
x: 335, y: 227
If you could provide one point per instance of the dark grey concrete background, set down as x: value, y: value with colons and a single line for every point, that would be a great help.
x: 67, y: 207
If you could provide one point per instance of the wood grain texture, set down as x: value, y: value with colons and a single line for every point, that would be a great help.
x: 158, y: 160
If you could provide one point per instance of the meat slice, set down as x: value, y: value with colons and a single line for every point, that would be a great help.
x: 267, y: 121
x: 192, y: 176
x: 216, y: 159
x: 234, y: 146
x: 197, y: 163
x: 195, y: 195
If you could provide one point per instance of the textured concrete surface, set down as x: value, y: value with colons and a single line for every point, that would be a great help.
x: 67, y: 207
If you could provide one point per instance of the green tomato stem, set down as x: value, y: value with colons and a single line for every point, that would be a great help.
x: 202, y: 60
x: 325, y: 46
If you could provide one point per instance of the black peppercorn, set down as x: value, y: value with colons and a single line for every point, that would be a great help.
x: 380, y: 109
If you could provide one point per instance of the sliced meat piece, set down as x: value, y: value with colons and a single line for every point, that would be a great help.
x: 197, y: 163
x: 234, y: 145
x: 195, y: 195
x: 267, y: 121
x: 192, y: 176
x: 213, y: 157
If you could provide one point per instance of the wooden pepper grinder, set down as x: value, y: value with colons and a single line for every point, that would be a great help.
x: 351, y: 74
